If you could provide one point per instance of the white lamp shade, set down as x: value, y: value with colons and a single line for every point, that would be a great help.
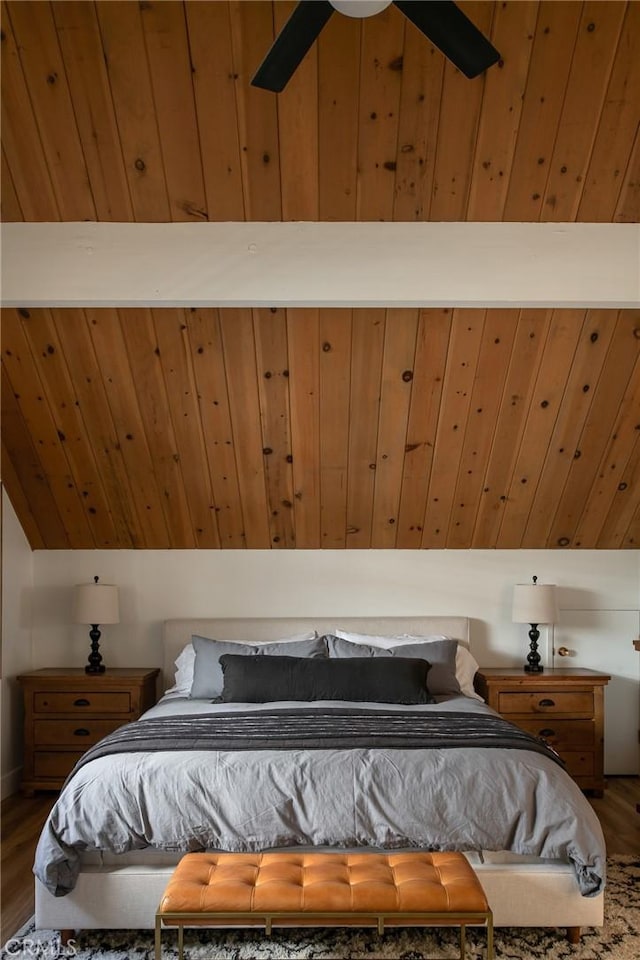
x: 534, y: 603
x: 96, y: 603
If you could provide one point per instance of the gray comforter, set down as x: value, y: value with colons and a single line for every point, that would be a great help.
x: 466, y: 798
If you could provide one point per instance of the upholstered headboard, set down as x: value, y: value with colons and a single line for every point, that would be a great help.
x: 177, y: 633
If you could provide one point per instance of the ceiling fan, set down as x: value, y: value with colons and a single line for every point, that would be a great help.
x: 441, y: 21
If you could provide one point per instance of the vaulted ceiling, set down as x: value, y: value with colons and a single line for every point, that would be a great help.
x: 330, y: 428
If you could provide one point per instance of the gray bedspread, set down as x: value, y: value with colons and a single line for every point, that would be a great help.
x: 463, y: 798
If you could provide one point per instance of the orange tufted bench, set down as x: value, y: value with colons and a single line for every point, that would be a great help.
x: 323, y: 889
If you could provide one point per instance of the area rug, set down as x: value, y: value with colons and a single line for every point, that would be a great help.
x: 619, y: 939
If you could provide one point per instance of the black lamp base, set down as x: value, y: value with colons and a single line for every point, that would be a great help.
x: 533, y: 664
x: 95, y: 664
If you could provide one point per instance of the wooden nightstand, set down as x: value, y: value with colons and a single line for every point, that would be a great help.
x: 564, y: 707
x: 68, y: 710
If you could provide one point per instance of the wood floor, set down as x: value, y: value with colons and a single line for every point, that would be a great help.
x: 619, y: 814
x: 22, y: 819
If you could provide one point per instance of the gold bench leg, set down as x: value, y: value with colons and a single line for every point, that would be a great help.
x: 463, y: 938
x: 268, y: 923
x: 490, y: 936
x: 158, y: 943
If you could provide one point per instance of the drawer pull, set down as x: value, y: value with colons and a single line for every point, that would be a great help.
x: 547, y: 732
x: 82, y: 702
x: 82, y: 732
x: 547, y: 703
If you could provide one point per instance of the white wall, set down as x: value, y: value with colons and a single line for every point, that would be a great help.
x: 599, y: 600
x: 17, y: 590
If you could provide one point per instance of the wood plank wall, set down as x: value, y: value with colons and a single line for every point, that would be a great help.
x: 123, y: 110
x: 339, y: 428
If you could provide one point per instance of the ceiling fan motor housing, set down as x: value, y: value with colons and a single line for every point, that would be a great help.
x: 360, y: 8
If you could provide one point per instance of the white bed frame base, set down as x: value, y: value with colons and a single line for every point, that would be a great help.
x: 520, y: 895
x: 522, y: 892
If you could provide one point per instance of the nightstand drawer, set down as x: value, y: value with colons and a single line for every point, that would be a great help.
x: 82, y: 702
x: 66, y: 711
x: 80, y: 732
x: 563, y: 706
x: 578, y: 764
x: 546, y: 702
x: 562, y: 734
x: 58, y: 765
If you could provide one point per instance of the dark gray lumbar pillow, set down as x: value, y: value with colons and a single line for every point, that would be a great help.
x: 266, y: 679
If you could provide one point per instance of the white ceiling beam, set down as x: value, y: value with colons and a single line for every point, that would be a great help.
x: 321, y: 264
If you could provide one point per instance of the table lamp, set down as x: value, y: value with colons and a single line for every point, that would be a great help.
x: 96, y: 603
x: 534, y: 603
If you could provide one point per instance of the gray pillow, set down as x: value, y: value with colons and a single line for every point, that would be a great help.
x: 441, y: 654
x: 207, y: 672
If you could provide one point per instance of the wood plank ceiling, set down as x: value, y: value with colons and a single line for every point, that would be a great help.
x: 331, y: 428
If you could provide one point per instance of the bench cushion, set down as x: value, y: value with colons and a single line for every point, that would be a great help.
x: 316, y: 882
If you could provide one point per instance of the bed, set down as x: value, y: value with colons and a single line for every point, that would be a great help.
x: 120, y: 888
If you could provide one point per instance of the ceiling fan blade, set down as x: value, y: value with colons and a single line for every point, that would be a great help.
x: 452, y: 32
x: 291, y: 44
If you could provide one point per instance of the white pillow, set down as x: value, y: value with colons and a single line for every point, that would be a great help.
x: 387, y: 642
x: 186, y: 659
x: 184, y: 665
x: 466, y: 664
x: 466, y: 668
